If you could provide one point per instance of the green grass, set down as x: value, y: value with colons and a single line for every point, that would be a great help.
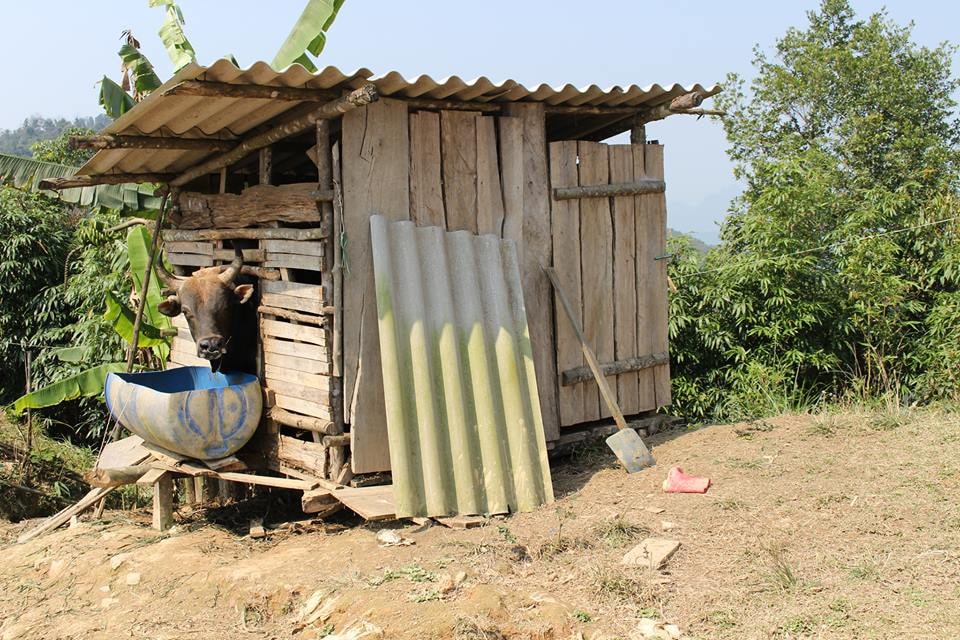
x: 617, y: 532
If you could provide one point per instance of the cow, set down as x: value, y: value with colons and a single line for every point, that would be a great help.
x: 221, y: 322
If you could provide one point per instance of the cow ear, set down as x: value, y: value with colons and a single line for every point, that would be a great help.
x: 170, y: 306
x: 243, y: 292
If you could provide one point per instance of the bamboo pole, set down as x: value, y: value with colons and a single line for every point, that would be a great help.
x: 73, y: 182
x: 113, y: 141
x: 609, y: 190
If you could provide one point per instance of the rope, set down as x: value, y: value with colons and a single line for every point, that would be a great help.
x: 831, y: 245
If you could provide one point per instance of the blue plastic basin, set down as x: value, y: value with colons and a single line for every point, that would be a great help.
x: 189, y: 410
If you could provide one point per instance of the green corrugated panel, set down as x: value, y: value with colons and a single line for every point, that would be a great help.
x: 463, y: 415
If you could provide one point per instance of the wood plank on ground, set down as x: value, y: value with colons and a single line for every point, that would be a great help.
x: 566, y: 262
x: 624, y: 260
x: 489, y: 194
x: 653, y: 159
x: 376, y: 160
x: 645, y: 264
x: 426, y: 188
x: 122, y: 453
x: 596, y: 245
x: 458, y: 150
x: 63, y: 516
x: 371, y: 503
x: 537, y: 254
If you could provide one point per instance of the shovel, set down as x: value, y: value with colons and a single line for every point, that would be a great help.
x: 626, y: 443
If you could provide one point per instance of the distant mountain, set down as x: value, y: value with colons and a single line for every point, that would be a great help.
x: 18, y: 141
x: 698, y: 244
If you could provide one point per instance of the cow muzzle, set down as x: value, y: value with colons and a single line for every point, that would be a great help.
x: 211, y: 347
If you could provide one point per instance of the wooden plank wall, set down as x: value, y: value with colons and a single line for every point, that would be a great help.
x: 376, y: 172
x: 605, y: 252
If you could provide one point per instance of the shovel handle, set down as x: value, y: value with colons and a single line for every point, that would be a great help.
x: 605, y: 391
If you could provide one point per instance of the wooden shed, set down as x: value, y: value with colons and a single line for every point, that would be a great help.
x: 289, y: 166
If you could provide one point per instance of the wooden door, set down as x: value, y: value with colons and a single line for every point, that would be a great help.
x: 609, y: 256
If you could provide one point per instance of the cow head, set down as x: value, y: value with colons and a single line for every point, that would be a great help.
x: 207, y: 299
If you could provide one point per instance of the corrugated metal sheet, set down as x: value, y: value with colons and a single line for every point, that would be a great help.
x: 227, y: 118
x: 463, y: 416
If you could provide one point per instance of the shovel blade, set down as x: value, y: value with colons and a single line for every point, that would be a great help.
x: 627, y: 445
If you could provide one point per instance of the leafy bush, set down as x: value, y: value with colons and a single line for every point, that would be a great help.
x: 838, y: 271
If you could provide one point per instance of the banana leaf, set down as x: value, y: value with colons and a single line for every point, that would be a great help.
x: 121, y: 318
x: 145, y: 79
x: 173, y: 37
x: 308, y: 34
x: 26, y: 173
x: 138, y: 250
x: 70, y: 354
x: 114, y: 100
x: 86, y: 383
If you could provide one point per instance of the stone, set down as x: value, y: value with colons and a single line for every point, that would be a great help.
x: 118, y: 560
x: 654, y: 510
x: 672, y: 630
x: 446, y: 585
x: 133, y: 579
x: 107, y: 602
x: 56, y: 568
x: 652, y: 553
x: 667, y: 526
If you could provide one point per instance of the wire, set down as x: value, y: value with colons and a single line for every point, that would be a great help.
x: 831, y: 245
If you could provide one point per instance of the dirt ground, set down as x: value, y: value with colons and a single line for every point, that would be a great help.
x: 831, y: 526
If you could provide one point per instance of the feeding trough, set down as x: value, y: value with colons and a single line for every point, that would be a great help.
x: 192, y: 411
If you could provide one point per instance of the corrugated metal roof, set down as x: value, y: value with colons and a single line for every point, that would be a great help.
x: 463, y: 415
x: 226, y: 118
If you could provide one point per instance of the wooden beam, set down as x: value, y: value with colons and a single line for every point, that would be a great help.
x: 193, y: 235
x: 297, y: 421
x: 55, y: 184
x: 252, y: 91
x: 111, y: 141
x: 586, y: 110
x: 609, y: 190
x: 358, y: 98
x: 582, y: 374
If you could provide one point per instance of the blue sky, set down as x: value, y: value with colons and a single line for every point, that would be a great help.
x: 63, y: 55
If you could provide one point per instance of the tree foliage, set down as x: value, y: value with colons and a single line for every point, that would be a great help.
x: 846, y: 136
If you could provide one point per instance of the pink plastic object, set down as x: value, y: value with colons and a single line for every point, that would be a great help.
x: 679, y: 482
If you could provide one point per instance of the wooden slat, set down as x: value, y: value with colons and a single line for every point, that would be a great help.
x: 376, y: 160
x: 312, y: 380
x: 306, y: 407
x: 297, y: 289
x: 537, y: 254
x: 306, y: 333
x: 624, y: 279
x: 282, y: 387
x: 259, y: 233
x: 566, y: 262
x: 122, y: 453
x: 489, y: 195
x: 202, y: 248
x: 309, y: 456
x: 293, y: 261
x: 249, y: 255
x: 645, y: 264
x: 295, y: 303
x: 266, y: 481
x: 190, y: 259
x: 301, y: 350
x: 300, y: 247
x: 426, y: 189
x: 596, y: 245
x: 371, y: 503
x: 306, y: 365
x: 458, y: 148
x: 653, y: 157
x: 511, y: 171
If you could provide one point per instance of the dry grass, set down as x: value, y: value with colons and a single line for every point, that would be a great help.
x: 842, y: 525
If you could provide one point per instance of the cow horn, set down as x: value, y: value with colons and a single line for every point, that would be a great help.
x: 230, y: 273
x: 168, y: 278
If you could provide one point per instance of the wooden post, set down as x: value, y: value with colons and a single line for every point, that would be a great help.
x: 163, y: 502
x: 188, y: 488
x: 27, y: 366
x: 266, y: 165
x: 324, y: 182
x: 638, y: 132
